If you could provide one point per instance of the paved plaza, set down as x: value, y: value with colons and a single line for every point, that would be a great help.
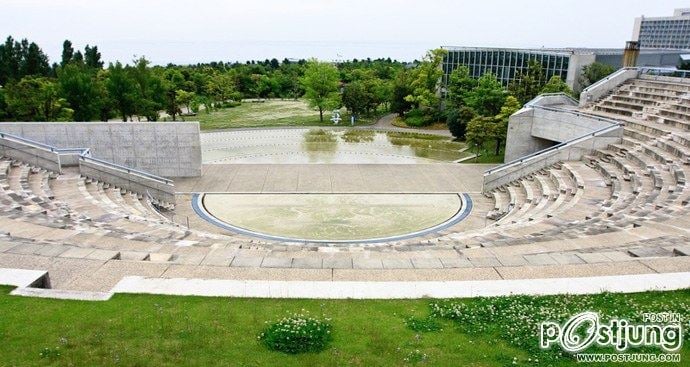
x: 336, y: 178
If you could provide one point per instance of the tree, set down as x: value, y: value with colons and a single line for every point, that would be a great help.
x: 67, y: 52
x: 401, y: 89
x: 557, y: 85
x: 150, y: 91
x: 457, y: 120
x: 172, y: 81
x: 35, y: 99
x: 274, y: 64
x: 321, y: 82
x: 92, y: 58
x: 220, y: 88
x: 35, y: 62
x: 425, y: 79
x: 356, y: 98
x: 4, y: 114
x: 594, y: 72
x: 10, y: 59
x: 78, y: 58
x: 81, y: 90
x: 500, y: 128
x: 460, y: 84
x: 122, y: 90
x: 488, y: 97
x: 528, y: 83
x: 184, y: 98
x: 479, y: 132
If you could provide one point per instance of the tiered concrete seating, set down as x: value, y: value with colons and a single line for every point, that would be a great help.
x: 627, y: 203
x: 66, y: 213
x: 620, y: 188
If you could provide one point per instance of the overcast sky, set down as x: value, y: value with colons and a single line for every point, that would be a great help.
x: 212, y: 30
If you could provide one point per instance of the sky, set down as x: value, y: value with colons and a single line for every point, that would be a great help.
x: 182, y: 32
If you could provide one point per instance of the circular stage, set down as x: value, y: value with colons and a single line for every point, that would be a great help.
x: 332, y: 218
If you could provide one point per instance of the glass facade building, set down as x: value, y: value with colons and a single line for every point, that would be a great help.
x: 567, y: 63
x: 664, y: 32
x: 506, y: 64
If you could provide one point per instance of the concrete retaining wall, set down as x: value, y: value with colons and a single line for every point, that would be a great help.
x: 599, y: 89
x: 560, y: 126
x: 546, y: 131
x: 519, y: 141
x: 544, y: 122
x: 533, y: 164
x: 168, y: 149
x: 35, y: 156
x: 130, y: 181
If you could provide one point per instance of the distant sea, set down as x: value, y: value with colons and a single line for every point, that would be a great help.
x: 164, y: 52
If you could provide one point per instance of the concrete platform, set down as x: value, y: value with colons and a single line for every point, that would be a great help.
x: 336, y: 178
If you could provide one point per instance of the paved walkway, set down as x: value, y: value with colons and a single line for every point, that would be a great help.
x: 386, y: 123
x: 400, y: 290
x: 32, y: 282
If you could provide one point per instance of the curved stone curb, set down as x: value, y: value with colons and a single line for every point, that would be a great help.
x: 465, y: 209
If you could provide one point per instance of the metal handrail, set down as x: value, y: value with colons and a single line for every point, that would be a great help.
x: 125, y: 169
x: 555, y: 94
x: 661, y: 71
x: 34, y: 143
x: 84, y: 154
x: 607, y: 78
x: 614, y: 124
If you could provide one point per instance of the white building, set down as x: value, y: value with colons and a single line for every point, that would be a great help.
x: 663, y: 32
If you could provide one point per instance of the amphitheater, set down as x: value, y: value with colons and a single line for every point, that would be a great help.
x: 591, y: 189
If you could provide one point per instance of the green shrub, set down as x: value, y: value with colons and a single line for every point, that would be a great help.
x: 426, y: 324
x: 417, y: 118
x: 298, y: 333
x: 230, y: 104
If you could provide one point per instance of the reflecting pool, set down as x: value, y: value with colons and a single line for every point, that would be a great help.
x: 320, y: 145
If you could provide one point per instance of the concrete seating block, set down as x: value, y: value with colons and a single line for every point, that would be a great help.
x: 307, y: 263
x: 276, y: 262
x: 246, y: 262
x: 455, y: 262
x: 397, y: 264
x: 364, y: 263
x: 337, y: 263
x: 484, y: 262
x: 427, y: 263
x: 77, y: 252
x: 158, y: 257
x: 103, y: 255
x: 134, y: 256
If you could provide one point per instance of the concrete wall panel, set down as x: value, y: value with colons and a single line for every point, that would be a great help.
x: 169, y: 149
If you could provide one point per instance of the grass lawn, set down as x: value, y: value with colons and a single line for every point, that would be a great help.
x: 487, y: 154
x: 271, y: 113
x: 399, y: 122
x: 145, y: 330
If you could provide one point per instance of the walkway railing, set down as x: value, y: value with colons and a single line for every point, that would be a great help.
x: 672, y: 72
x: 613, y: 125
x: 84, y: 154
x: 606, y: 79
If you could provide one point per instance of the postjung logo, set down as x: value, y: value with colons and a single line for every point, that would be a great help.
x: 662, y: 330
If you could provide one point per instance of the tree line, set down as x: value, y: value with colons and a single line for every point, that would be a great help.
x: 79, y: 87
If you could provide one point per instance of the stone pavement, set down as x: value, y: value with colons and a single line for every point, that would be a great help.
x: 336, y: 178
